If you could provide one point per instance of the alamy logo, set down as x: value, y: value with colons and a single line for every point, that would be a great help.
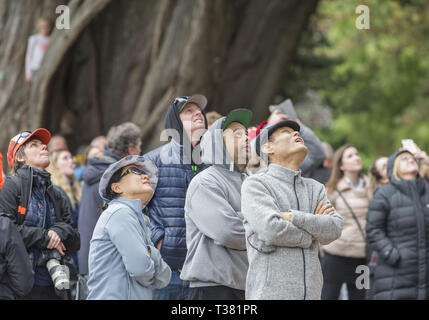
x: 362, y: 281
x: 63, y: 21
x: 362, y: 22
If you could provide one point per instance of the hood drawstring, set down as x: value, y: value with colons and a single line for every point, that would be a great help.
x: 231, y: 166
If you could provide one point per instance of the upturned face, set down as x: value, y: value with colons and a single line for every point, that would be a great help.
x: 276, y: 116
x: 381, y: 166
x: 286, y: 141
x: 134, y: 184
x: 65, y: 163
x: 350, y: 161
x: 407, y: 165
x: 237, y: 143
x: 192, y: 119
x: 36, y: 154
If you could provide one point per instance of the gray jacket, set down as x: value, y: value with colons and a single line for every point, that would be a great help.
x: 283, y: 259
x: 215, y: 235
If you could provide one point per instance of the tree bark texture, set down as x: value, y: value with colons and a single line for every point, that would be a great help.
x: 125, y: 60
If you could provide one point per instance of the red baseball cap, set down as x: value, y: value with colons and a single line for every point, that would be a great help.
x: 21, y: 138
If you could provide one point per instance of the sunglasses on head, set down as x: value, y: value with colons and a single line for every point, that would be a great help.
x: 134, y: 170
x: 23, y: 135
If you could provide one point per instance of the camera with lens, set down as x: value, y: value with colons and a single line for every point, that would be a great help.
x: 60, y: 273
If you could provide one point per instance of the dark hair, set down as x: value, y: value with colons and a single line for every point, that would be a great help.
x: 110, y: 194
x: 123, y: 136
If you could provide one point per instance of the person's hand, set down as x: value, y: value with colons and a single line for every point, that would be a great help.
x: 423, y: 157
x: 61, y: 248
x: 287, y: 216
x: 326, y: 209
x: 158, y: 246
x: 54, y: 239
x: 298, y: 121
x: 28, y: 79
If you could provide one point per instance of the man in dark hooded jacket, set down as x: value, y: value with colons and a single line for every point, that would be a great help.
x: 178, y: 162
x: 123, y: 140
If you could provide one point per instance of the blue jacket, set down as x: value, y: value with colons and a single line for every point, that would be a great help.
x: 166, y: 209
x: 119, y: 263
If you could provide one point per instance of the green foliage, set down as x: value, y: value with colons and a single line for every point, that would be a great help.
x: 376, y: 80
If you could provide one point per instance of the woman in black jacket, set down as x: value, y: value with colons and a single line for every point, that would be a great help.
x: 40, y: 212
x: 398, y: 229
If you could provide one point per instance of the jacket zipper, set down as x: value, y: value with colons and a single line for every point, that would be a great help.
x: 302, y: 249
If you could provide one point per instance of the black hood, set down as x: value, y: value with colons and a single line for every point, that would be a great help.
x: 172, y: 121
x: 94, y: 170
x: 391, y: 163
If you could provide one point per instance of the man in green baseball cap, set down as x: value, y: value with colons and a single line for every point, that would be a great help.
x: 216, y: 261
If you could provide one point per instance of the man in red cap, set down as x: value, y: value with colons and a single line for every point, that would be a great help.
x: 39, y: 210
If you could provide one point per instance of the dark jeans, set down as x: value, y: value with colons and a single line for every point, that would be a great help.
x: 331, y: 291
x: 215, y: 293
x: 177, y: 289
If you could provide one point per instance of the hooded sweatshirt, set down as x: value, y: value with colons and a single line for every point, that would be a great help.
x: 215, y: 235
x: 176, y: 169
x: 283, y: 259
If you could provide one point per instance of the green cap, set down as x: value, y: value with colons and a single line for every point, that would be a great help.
x: 241, y: 115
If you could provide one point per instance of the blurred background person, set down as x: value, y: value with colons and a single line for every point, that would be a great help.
x: 378, y: 175
x: 323, y: 172
x: 398, y: 228
x: 37, y: 45
x: 58, y: 142
x: 377, y: 178
x: 212, y: 116
x: 347, y: 189
x: 61, y: 169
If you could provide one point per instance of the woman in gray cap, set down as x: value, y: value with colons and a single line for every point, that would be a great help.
x: 123, y: 262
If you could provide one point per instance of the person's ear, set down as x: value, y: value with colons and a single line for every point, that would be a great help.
x: 116, y: 187
x: 267, y: 148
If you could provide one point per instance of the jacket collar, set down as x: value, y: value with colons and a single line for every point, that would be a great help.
x: 134, y: 204
x: 286, y: 174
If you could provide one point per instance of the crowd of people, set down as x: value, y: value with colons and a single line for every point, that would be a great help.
x: 223, y: 210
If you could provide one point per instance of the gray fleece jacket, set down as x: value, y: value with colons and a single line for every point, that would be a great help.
x: 215, y: 235
x: 283, y: 258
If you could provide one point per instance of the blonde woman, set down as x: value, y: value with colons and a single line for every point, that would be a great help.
x: 347, y: 189
x: 61, y: 169
x: 398, y: 229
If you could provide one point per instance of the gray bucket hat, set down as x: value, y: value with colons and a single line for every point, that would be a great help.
x: 147, y: 166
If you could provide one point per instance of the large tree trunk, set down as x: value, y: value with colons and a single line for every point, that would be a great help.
x: 127, y: 59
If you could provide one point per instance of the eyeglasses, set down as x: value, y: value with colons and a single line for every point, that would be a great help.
x: 134, y: 170
x: 19, y: 138
x: 407, y: 159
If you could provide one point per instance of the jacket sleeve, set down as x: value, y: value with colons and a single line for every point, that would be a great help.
x: 316, y: 153
x: 376, y: 221
x: 325, y: 228
x: 264, y: 217
x: 64, y: 228
x: 207, y: 207
x: 125, y: 233
x: 162, y: 270
x: 32, y: 236
x: 19, y: 270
